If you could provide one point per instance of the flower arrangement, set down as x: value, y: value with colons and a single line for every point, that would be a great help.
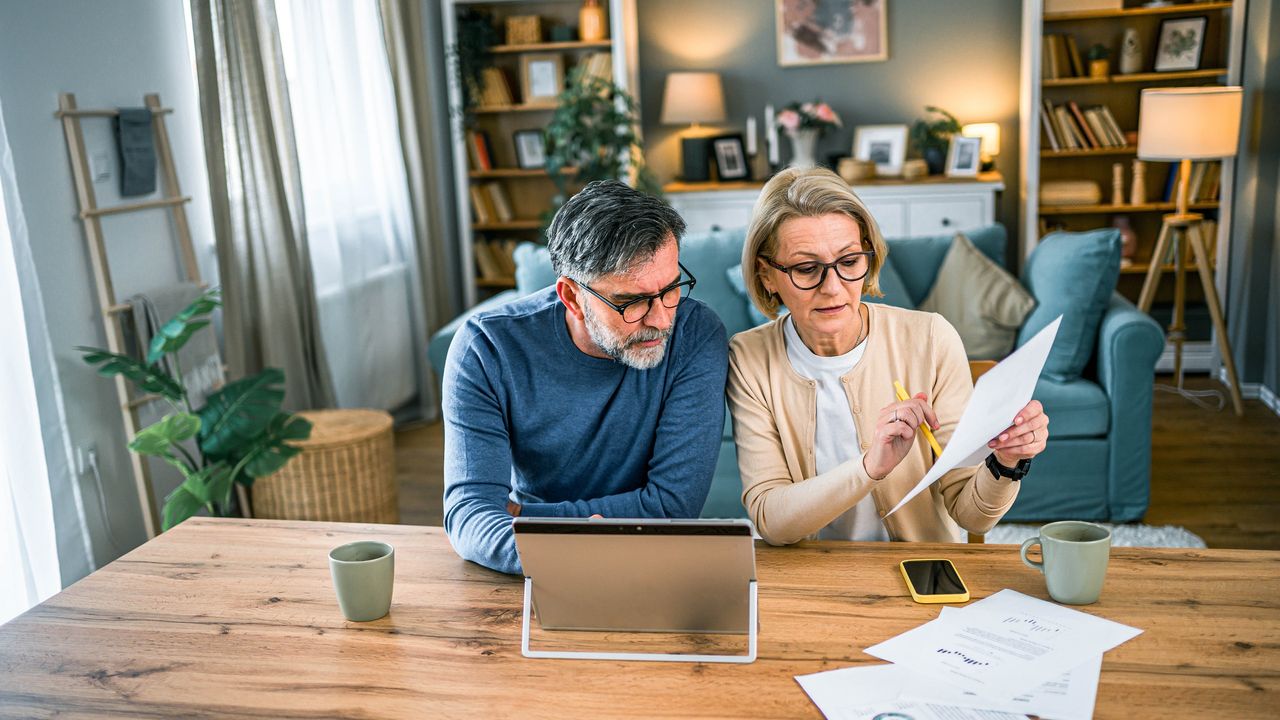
x: 815, y: 115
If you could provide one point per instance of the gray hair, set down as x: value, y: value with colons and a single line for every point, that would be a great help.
x: 609, y: 228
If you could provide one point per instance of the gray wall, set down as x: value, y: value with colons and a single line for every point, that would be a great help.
x: 1254, y: 284
x: 962, y: 56
x: 109, y: 54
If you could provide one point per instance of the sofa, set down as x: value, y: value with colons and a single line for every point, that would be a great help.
x: 1098, y: 459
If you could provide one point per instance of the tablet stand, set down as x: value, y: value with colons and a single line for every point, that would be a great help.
x: 752, y: 627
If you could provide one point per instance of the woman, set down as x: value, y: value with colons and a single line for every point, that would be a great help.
x: 824, y: 446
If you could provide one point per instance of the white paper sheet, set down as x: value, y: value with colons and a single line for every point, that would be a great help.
x: 997, y: 397
x: 1004, y: 645
x: 1070, y: 696
x: 867, y: 692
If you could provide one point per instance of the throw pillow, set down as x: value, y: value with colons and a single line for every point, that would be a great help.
x: 1071, y: 274
x: 895, y: 291
x: 984, y: 303
x: 734, y: 274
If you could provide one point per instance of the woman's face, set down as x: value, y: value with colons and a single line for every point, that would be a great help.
x: 830, y: 309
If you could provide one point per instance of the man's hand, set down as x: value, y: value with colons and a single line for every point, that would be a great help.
x: 513, y: 509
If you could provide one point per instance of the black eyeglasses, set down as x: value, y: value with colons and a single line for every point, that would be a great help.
x: 811, y: 274
x: 634, y: 311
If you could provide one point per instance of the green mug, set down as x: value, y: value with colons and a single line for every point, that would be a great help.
x: 363, y: 575
x: 1074, y: 562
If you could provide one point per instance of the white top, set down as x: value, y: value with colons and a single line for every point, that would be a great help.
x: 835, y: 438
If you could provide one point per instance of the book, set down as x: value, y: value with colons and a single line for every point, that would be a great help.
x: 1075, y: 140
x: 503, y: 255
x: 1085, y: 130
x: 1116, y: 133
x: 486, y: 263
x: 480, y: 206
x: 1052, y: 43
x: 484, y: 152
x: 1048, y: 131
x: 498, y: 199
x: 1093, y: 118
x: 496, y: 92
x: 1073, y: 51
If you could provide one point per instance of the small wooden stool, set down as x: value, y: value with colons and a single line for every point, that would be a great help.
x: 345, y: 473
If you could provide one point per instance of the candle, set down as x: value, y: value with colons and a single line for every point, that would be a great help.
x: 771, y: 134
x: 751, y: 135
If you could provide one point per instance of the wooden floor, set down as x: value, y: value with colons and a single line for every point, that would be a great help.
x: 1213, y: 473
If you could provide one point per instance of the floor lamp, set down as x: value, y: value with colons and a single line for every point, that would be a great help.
x: 1181, y: 125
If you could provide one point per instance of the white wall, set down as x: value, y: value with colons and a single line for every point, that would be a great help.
x: 109, y: 54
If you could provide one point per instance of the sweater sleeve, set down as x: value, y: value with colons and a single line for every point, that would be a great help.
x: 784, y: 511
x: 973, y: 497
x: 686, y: 444
x: 477, y: 456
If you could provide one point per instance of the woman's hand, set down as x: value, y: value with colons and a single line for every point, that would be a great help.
x: 1025, y: 438
x: 895, y: 433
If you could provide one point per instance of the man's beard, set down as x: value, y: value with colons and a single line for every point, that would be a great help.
x: 627, y: 350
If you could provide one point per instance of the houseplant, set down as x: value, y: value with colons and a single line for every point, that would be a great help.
x: 804, y: 123
x: 239, y: 434
x: 931, y: 135
x: 477, y: 34
x: 1099, y: 65
x: 593, y: 135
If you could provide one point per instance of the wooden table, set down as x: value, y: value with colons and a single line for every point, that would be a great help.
x: 237, y: 618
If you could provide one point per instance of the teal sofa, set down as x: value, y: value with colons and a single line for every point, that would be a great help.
x: 1098, y: 460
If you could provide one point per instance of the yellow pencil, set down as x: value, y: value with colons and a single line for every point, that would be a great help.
x: 928, y: 434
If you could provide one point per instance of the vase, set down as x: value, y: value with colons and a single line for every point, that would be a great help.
x: 936, y: 159
x: 804, y: 144
x: 1130, y: 52
x: 591, y: 26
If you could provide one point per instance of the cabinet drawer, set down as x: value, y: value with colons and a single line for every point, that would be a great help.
x: 938, y: 217
x: 891, y: 216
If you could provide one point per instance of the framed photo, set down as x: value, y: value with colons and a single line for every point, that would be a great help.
x: 833, y: 31
x: 541, y: 78
x: 731, y: 157
x: 885, y: 145
x: 962, y: 156
x: 531, y: 149
x: 1181, y: 44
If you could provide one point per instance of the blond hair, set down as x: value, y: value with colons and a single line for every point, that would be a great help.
x: 795, y: 193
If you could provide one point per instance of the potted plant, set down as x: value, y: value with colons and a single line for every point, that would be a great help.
x: 477, y: 34
x: 239, y: 434
x: 804, y: 123
x: 593, y: 135
x: 930, y: 137
x: 1099, y: 66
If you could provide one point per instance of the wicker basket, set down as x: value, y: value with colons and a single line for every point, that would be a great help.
x: 345, y: 472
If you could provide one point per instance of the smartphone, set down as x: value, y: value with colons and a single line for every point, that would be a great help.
x: 933, y: 580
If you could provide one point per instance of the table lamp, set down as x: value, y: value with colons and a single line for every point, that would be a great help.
x: 1181, y: 125
x: 693, y: 97
x: 990, y: 134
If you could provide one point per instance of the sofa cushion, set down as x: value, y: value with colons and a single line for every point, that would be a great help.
x: 739, y: 285
x: 533, y: 268
x: 1076, y: 408
x: 895, y: 291
x: 917, y: 260
x: 1071, y: 274
x: 983, y: 302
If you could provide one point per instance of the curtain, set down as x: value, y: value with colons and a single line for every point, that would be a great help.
x: 359, y: 225
x: 271, y: 317
x: 43, y: 536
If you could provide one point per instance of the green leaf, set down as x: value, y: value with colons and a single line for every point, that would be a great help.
x: 178, y: 506
x: 234, y: 416
x: 173, y: 429
x: 271, y: 450
x: 148, y: 377
x: 178, y: 330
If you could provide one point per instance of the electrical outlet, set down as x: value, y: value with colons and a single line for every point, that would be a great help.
x: 86, y: 457
x: 100, y: 166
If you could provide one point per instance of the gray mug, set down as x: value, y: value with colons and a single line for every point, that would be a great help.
x: 363, y: 575
x: 1075, y: 560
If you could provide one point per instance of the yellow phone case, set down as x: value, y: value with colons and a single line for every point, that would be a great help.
x: 956, y: 598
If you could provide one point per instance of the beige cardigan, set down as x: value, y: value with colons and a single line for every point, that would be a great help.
x: 774, y: 416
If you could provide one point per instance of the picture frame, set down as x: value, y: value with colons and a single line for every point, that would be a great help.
x: 964, y: 156
x: 1180, y: 43
x: 843, y: 31
x: 541, y: 78
x: 885, y: 145
x: 531, y: 149
x: 731, y: 157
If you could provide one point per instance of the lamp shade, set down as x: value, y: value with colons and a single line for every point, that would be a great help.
x: 1195, y: 123
x: 990, y: 134
x: 692, y: 97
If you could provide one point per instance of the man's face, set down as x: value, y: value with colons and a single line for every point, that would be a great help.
x: 643, y: 344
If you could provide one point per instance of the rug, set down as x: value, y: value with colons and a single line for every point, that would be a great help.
x: 1126, y: 535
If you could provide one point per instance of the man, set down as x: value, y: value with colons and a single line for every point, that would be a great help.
x: 601, y: 396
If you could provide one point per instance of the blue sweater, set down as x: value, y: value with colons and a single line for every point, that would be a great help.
x: 530, y: 417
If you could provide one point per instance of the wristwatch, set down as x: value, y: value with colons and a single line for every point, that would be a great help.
x: 1015, y: 473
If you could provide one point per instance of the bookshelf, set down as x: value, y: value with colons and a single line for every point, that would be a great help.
x: 1052, y: 78
x: 488, y: 232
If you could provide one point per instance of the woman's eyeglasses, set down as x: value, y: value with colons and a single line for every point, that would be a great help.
x: 811, y: 274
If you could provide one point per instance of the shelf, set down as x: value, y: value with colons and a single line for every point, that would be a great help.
x: 1135, y: 78
x: 1141, y: 268
x: 513, y: 225
x: 1136, y: 12
x: 1091, y: 152
x: 551, y: 46
x: 1119, y: 209
x: 515, y: 108
x: 496, y: 283
x: 516, y: 173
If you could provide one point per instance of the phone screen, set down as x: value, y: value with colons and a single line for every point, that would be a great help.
x: 934, y: 577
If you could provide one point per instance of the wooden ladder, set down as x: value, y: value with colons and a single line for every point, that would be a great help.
x: 114, y: 311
